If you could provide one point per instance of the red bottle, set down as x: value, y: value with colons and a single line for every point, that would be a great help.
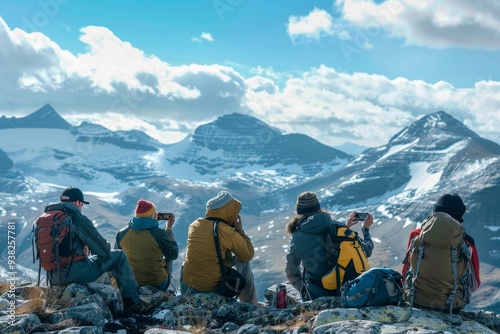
x: 281, y: 297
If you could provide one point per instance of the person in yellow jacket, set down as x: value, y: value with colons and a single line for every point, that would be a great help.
x: 150, y: 249
x: 201, y: 271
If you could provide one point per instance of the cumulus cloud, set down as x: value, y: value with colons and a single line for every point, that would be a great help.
x: 204, y: 36
x: 365, y: 108
x: 120, y: 87
x: 111, y: 76
x: 430, y: 23
x: 316, y: 24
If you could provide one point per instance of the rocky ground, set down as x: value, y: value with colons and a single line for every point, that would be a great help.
x: 97, y: 308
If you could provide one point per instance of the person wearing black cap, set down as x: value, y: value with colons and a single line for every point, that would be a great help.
x: 453, y: 205
x: 84, y: 268
x: 306, y: 260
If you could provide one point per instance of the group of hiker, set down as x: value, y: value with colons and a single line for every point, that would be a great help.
x: 323, y: 253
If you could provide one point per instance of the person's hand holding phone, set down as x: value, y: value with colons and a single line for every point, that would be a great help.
x: 352, y: 219
x: 171, y: 221
x: 368, y: 221
x: 356, y: 217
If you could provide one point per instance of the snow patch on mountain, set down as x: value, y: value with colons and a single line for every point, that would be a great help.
x: 397, y: 148
x: 471, y: 168
x: 421, y: 180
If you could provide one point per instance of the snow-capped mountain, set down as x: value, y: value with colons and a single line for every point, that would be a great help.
x: 241, y: 148
x: 265, y: 168
x: 233, y: 148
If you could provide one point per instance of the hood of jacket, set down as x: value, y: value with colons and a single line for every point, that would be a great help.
x: 315, y: 224
x: 228, y: 212
x: 143, y: 223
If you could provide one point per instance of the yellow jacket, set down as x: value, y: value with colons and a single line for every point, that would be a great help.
x: 201, y: 269
x: 147, y: 247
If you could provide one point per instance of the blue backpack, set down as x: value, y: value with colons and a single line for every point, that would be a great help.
x: 376, y: 286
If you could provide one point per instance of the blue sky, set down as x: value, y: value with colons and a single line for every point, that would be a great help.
x: 347, y: 70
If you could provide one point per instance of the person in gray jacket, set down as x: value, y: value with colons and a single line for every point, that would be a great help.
x: 86, y: 238
x: 307, y: 258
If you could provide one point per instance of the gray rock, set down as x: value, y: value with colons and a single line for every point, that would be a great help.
x: 95, y: 298
x: 89, y: 314
x: 19, y: 324
x: 164, y: 331
x: 74, y: 291
x: 349, y: 327
x: 110, y: 294
x: 76, y: 330
x: 248, y: 329
x: 229, y: 327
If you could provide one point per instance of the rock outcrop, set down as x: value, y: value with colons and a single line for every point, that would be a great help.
x: 97, y: 308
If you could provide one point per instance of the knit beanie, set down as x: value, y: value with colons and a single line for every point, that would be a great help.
x: 145, y: 209
x: 217, y: 202
x: 307, y: 202
x: 451, y: 204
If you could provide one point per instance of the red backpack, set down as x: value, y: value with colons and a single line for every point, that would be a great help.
x: 53, y: 235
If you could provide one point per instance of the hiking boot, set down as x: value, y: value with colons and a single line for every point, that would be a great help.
x: 140, y: 307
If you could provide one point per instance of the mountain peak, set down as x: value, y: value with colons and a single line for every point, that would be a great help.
x: 439, y: 128
x: 45, y: 117
x: 236, y: 122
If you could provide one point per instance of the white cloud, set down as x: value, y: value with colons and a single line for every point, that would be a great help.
x: 204, y: 36
x: 127, y: 89
x: 430, y: 23
x: 365, y: 108
x: 317, y: 24
x: 110, y: 76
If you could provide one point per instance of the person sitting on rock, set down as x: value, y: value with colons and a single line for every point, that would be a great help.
x: 201, y: 271
x: 309, y: 258
x: 89, y: 268
x: 150, y: 249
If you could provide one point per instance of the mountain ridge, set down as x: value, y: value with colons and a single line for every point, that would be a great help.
x: 45, y: 117
x: 398, y: 182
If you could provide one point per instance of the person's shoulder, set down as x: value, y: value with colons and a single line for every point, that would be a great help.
x: 226, y: 227
x: 157, y: 231
x: 123, y: 229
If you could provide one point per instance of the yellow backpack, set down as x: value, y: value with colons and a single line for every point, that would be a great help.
x: 346, y: 254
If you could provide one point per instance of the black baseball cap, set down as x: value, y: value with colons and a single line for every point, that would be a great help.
x: 72, y: 195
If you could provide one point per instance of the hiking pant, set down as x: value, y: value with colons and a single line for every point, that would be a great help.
x: 248, y: 295
x: 91, y: 268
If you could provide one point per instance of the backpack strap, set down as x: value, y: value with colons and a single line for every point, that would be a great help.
x: 217, y: 248
x: 55, y: 234
x: 421, y: 248
x: 451, y: 297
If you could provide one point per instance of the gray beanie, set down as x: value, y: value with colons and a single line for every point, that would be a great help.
x: 217, y: 202
x: 307, y: 202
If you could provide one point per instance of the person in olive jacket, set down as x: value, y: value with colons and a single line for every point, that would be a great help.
x: 150, y: 249
x: 201, y: 271
x: 87, y: 268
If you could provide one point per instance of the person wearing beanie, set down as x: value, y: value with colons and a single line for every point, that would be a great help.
x: 200, y: 270
x: 150, y: 249
x: 83, y: 268
x: 309, y: 228
x: 452, y: 204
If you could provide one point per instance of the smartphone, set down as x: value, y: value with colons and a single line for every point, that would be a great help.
x: 361, y: 216
x: 163, y: 216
